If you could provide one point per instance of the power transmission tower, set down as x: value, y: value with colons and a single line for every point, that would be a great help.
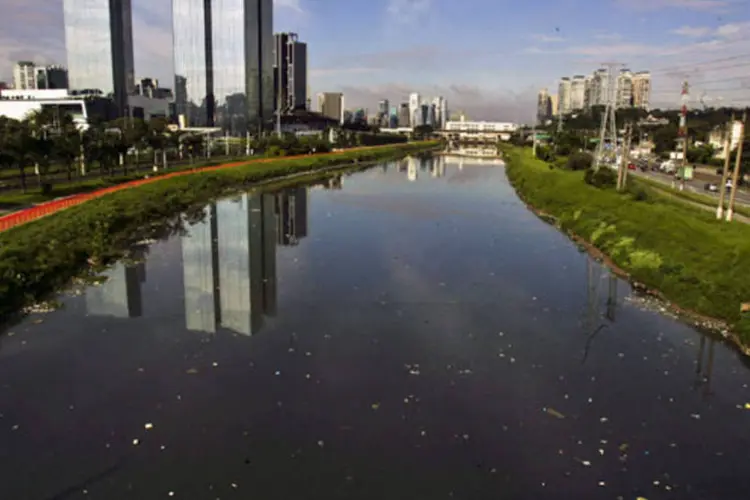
x: 608, y: 128
x: 622, y: 171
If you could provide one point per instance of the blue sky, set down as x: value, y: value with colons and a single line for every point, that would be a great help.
x: 488, y: 57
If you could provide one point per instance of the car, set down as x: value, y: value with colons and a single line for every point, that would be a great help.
x: 631, y: 166
x: 710, y: 186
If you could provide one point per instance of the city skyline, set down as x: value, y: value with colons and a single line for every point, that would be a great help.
x: 381, y: 62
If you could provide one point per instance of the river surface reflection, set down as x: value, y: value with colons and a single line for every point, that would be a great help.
x: 407, y: 332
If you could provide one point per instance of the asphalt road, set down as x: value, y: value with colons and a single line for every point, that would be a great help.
x: 694, y: 185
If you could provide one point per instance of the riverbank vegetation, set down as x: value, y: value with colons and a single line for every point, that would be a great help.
x: 46, y: 152
x: 40, y: 257
x: 682, y: 251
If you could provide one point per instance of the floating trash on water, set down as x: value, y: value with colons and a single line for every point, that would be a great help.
x: 277, y: 373
x: 602, y: 484
x: 321, y: 443
x: 747, y: 406
x: 696, y: 416
x: 604, y: 420
x: 136, y: 442
x: 234, y: 485
x: 553, y: 412
x: 191, y: 371
x: 215, y: 364
x: 171, y: 493
x: 375, y: 406
x: 148, y: 426
x: 466, y: 437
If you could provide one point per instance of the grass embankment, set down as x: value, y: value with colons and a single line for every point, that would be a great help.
x: 40, y: 257
x: 695, y: 261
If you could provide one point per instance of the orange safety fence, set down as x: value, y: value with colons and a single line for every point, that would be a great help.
x: 36, y: 212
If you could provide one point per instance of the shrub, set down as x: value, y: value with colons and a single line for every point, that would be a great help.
x: 603, y: 178
x: 579, y: 161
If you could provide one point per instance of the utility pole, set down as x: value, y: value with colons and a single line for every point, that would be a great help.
x: 725, y: 173
x: 736, y: 174
x: 622, y: 171
x: 608, y: 126
x: 684, y: 132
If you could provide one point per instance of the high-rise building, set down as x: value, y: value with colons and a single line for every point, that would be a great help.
x: 414, y: 103
x: 564, y: 91
x: 577, y: 93
x: 642, y: 89
x: 99, y: 46
x: 331, y: 104
x: 223, y: 55
x: 51, y: 77
x: 289, y: 72
x: 624, y: 95
x: 24, y: 75
x: 441, y: 112
x: 404, y: 119
x: 543, y: 106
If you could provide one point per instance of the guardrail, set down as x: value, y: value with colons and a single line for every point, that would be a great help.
x: 43, y: 209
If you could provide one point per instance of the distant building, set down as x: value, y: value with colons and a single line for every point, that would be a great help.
x: 624, y: 93
x: 642, y: 90
x: 24, y: 75
x: 289, y: 72
x: 99, y: 45
x: 414, y: 103
x: 554, y: 105
x: 51, y: 77
x: 564, y: 91
x: 331, y: 104
x: 543, y: 106
x: 577, y: 93
x: 404, y: 119
x: 149, y: 87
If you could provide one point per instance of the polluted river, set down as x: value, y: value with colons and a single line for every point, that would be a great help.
x: 411, y: 331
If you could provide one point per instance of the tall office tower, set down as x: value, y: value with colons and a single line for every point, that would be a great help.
x: 223, y: 56
x: 383, y: 107
x: 51, y: 77
x: 577, y: 92
x: 563, y: 92
x: 441, y: 112
x: 99, y: 45
x: 414, y: 102
x: 624, y: 96
x: 554, y: 105
x: 642, y: 89
x: 24, y: 75
x: 403, y: 115
x: 331, y: 104
x: 543, y: 106
x: 289, y: 72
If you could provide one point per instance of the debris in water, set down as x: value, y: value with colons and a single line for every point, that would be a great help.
x: 215, y: 364
x: 747, y: 406
x: 191, y: 371
x: 148, y: 426
x: 375, y: 406
x: 696, y: 416
x: 554, y: 412
x: 321, y: 443
x: 136, y: 442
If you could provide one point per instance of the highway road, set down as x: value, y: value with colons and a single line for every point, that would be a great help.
x: 694, y: 186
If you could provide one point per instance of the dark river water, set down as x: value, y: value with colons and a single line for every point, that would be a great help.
x: 408, y: 332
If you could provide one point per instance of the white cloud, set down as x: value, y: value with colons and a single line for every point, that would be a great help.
x: 692, y: 31
x: 408, y: 11
x: 698, y: 5
x: 547, y: 38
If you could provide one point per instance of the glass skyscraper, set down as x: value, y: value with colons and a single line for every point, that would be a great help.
x: 99, y: 45
x: 223, y: 54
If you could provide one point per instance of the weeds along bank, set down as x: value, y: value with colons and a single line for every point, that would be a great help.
x: 40, y: 257
x: 695, y: 261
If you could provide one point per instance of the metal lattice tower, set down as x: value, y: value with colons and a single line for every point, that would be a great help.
x: 608, y: 128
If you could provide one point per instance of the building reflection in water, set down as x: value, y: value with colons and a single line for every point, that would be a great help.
x: 291, y: 216
x: 411, y: 169
x: 229, y: 259
x: 120, y: 295
x: 593, y: 322
x: 704, y: 366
